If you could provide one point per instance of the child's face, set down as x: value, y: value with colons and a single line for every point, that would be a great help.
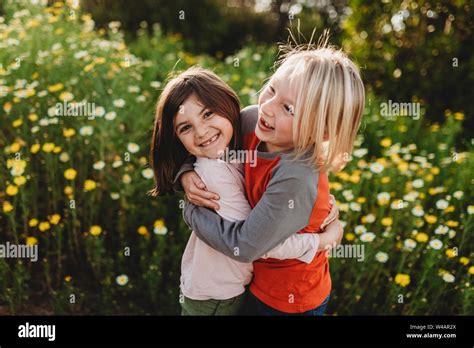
x: 202, y: 132
x: 275, y: 116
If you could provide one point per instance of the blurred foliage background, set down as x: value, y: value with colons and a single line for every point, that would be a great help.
x: 407, y: 195
x: 420, y: 50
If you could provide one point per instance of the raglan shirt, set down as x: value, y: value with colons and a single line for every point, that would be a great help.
x: 208, y: 274
x: 286, y: 196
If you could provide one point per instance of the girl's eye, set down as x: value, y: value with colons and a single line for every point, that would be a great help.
x: 208, y: 114
x: 184, y: 129
x: 271, y: 89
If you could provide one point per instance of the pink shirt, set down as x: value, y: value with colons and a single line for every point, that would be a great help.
x: 208, y: 274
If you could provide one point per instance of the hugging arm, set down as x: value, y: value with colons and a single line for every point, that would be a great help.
x: 284, y: 209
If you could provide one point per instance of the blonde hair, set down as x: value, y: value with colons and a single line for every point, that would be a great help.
x: 330, y: 101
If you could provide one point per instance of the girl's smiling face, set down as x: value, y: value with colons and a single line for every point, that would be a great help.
x: 201, y: 131
x: 275, y: 115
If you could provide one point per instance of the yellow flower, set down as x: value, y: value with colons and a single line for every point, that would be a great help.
x: 429, y: 177
x: 12, y: 190
x: 17, y: 123
x: 350, y: 236
x: 48, y: 147
x: 421, y: 237
x: 89, y: 185
x: 43, y: 226
x: 66, y: 96
x: 402, y: 128
x: 335, y: 185
x: 95, y: 230
x: 142, y: 230
x: 7, y: 107
x: 67, y: 278
x: 7, y: 207
x: 387, y: 221
x: 434, y: 170
x: 450, y: 209
x: 15, y: 147
x: 471, y: 270
x: 431, y: 219
x: 54, y: 219
x: 35, y: 148
x: 19, y: 180
x: 70, y: 174
x: 361, y: 200
x: 68, y: 190
x: 99, y: 60
x: 69, y: 132
x: 385, y: 180
x: 450, y: 253
x: 33, y: 117
x: 458, y: 116
x: 56, y: 87
x: 57, y: 149
x: 402, y: 279
x: 33, y: 222
x: 386, y: 142
x: 464, y: 260
x: 452, y: 223
x: 89, y: 67
x: 31, y: 241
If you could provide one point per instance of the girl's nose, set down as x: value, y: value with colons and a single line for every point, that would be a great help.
x: 201, y: 131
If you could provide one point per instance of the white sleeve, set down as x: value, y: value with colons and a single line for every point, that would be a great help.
x: 299, y: 246
x: 229, y: 184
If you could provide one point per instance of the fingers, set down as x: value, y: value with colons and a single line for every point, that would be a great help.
x: 197, y: 181
x: 199, y: 201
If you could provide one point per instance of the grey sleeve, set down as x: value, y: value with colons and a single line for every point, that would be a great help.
x: 187, y: 166
x: 284, y: 209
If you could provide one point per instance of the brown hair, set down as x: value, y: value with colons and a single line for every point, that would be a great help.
x: 167, y: 152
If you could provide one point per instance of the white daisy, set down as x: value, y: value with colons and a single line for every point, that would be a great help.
x: 367, y: 237
x: 448, y: 277
x: 436, y: 244
x: 148, y: 173
x: 133, y: 148
x: 119, y: 103
x: 99, y: 165
x: 442, y: 204
x: 122, y: 279
x: 110, y: 115
x: 381, y: 257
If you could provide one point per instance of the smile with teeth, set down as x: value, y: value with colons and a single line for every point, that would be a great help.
x: 266, y: 124
x: 210, y: 141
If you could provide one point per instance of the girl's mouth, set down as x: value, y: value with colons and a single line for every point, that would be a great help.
x: 264, y: 126
x: 211, y: 140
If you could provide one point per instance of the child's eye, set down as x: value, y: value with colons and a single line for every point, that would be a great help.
x: 271, y: 89
x: 289, y: 109
x: 208, y: 114
x: 184, y: 129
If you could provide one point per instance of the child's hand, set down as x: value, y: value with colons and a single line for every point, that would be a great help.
x: 196, y: 191
x: 333, y: 214
x: 332, y: 236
